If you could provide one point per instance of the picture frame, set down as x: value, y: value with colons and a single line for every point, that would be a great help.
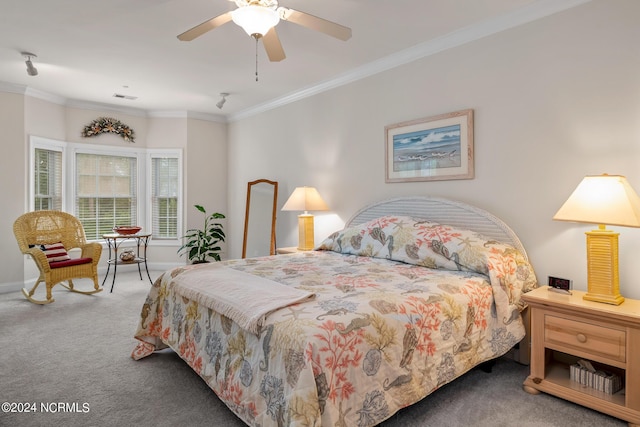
x: 430, y: 149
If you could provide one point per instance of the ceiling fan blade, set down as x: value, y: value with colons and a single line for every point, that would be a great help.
x: 306, y: 20
x: 272, y: 45
x: 209, y: 25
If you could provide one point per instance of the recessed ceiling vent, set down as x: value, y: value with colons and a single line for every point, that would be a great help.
x: 129, y: 97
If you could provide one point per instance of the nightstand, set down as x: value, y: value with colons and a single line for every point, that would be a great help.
x: 565, y: 329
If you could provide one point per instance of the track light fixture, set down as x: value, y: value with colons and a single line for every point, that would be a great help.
x: 31, y: 70
x: 223, y: 100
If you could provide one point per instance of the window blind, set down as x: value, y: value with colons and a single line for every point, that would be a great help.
x: 105, y: 192
x: 164, y: 197
x: 47, y: 179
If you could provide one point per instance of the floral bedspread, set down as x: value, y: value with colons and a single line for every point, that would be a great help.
x: 380, y: 335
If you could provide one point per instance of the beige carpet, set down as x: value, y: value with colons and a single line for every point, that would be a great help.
x: 72, y: 358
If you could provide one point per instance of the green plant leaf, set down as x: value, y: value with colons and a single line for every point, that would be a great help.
x: 200, y: 244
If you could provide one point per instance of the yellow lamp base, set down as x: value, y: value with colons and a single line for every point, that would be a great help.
x: 607, y: 299
x: 603, y: 283
x: 306, y: 240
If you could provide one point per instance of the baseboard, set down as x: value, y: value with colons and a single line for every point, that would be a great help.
x: 8, y: 287
x: 164, y: 266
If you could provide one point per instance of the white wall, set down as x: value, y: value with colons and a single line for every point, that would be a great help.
x: 13, y: 181
x: 44, y: 118
x: 206, y: 172
x: 554, y: 100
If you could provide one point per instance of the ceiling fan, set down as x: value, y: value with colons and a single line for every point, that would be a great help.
x: 259, y: 17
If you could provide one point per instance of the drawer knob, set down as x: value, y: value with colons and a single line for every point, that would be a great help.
x: 581, y: 338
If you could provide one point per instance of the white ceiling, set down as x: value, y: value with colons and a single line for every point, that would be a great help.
x: 87, y: 50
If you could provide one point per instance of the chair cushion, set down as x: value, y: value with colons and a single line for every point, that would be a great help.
x: 69, y: 262
x: 55, y: 252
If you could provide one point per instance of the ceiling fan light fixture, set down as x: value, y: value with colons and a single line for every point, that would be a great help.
x: 255, y: 19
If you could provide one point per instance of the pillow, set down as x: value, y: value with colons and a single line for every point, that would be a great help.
x: 433, y: 245
x: 416, y: 241
x: 400, y: 238
x: 55, y: 252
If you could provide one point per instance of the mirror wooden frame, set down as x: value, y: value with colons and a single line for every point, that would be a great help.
x: 272, y: 244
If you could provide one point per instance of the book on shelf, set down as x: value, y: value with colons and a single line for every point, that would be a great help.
x: 585, y: 374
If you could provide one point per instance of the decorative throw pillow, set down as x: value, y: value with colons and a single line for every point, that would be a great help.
x: 55, y: 252
x: 400, y: 238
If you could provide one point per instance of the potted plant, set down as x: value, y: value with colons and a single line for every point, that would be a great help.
x: 202, y: 244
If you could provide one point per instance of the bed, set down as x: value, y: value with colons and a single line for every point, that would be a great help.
x: 411, y: 294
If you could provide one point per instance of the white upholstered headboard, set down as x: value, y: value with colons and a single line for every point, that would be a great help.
x: 443, y: 211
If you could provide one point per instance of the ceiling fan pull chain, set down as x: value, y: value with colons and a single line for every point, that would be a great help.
x: 256, y: 57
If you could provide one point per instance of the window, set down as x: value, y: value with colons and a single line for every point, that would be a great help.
x: 165, y: 185
x: 107, y: 186
x: 106, y: 192
x: 47, y: 178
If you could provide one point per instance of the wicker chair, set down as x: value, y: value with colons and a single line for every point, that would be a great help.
x: 34, y: 229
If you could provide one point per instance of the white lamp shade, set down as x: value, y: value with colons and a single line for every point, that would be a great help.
x: 602, y: 199
x: 255, y: 19
x: 305, y: 199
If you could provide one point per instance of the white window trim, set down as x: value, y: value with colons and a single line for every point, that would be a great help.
x: 143, y: 156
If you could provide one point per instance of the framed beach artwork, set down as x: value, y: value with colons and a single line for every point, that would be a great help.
x: 430, y: 149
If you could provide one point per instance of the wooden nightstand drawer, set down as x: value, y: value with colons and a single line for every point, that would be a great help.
x: 592, y: 339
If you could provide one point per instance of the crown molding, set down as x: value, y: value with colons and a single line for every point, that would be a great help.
x: 45, y: 96
x: 88, y: 105
x: 532, y: 12
x: 12, y: 88
x: 187, y: 115
x: 207, y: 117
x: 162, y: 114
x: 31, y: 92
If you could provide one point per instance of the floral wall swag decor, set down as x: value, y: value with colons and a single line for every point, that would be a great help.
x: 109, y: 125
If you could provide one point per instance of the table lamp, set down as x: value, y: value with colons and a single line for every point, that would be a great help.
x: 305, y: 199
x: 602, y: 199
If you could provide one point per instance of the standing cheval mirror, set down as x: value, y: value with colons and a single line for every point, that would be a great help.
x: 260, y: 219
